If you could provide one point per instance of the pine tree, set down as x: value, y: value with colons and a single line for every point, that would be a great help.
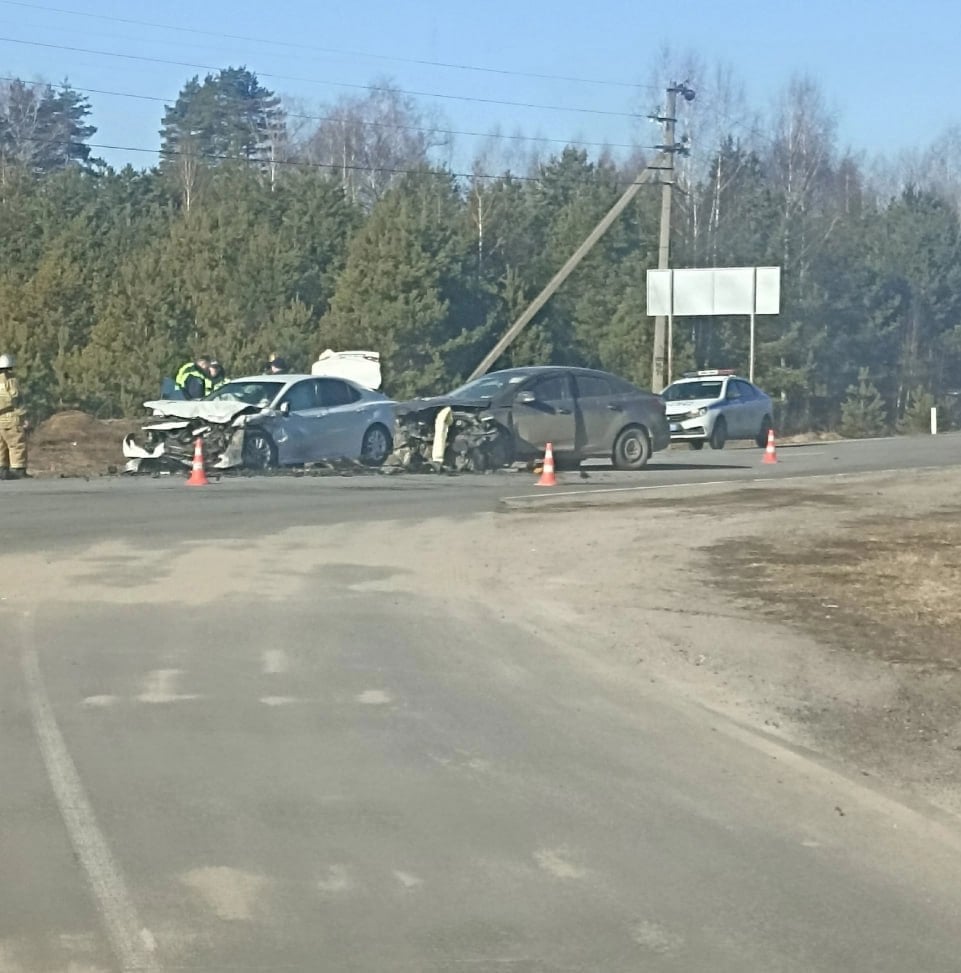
x: 917, y: 412
x: 402, y: 291
x: 44, y: 129
x: 229, y: 116
x: 863, y: 414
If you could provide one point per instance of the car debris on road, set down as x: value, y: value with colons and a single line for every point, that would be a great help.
x: 434, y: 435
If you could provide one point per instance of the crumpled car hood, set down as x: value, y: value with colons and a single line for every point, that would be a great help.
x: 218, y: 411
x: 439, y: 402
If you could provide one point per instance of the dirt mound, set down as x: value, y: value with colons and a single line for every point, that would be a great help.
x: 73, y: 443
x: 69, y: 427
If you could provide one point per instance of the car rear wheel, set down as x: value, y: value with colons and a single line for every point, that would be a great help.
x: 696, y: 444
x: 632, y: 449
x: 719, y: 434
x: 260, y: 451
x: 763, y: 434
x: 377, y: 445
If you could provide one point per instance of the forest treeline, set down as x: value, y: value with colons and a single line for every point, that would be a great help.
x: 262, y: 229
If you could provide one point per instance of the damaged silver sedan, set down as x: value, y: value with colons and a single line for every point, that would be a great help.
x: 261, y: 422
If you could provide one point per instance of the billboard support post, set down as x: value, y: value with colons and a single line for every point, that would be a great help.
x: 719, y: 291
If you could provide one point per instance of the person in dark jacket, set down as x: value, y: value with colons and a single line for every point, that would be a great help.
x: 277, y: 365
x: 193, y: 379
x: 218, y: 375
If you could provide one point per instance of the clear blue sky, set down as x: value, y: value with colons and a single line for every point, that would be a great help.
x: 890, y: 68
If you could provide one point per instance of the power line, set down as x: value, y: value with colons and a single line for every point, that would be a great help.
x: 294, y: 163
x: 336, y: 84
x: 335, y: 118
x: 329, y: 50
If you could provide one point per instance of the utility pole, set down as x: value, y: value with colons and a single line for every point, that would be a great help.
x: 579, y: 254
x: 670, y: 148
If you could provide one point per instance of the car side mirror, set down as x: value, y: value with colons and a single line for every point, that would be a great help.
x: 285, y: 408
x: 526, y: 397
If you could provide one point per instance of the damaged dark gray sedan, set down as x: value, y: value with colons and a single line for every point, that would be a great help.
x: 510, y: 416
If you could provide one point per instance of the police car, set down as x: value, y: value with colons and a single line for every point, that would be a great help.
x: 714, y: 406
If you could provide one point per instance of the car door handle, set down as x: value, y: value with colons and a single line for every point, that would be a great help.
x: 614, y: 408
x: 563, y: 412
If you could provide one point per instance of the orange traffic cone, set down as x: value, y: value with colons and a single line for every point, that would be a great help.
x: 770, y: 453
x: 198, y: 476
x: 547, y: 476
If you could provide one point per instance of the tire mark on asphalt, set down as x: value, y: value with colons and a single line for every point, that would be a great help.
x: 131, y: 941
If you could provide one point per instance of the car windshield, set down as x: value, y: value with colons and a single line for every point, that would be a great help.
x: 487, y: 386
x: 250, y: 393
x: 692, y: 390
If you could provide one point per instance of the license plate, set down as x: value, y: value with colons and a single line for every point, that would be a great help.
x: 675, y: 427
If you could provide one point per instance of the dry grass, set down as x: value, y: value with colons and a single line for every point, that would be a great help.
x: 888, y: 588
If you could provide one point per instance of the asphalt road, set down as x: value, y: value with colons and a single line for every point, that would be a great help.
x: 267, y: 753
x: 70, y: 512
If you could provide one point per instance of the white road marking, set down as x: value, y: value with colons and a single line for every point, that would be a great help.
x: 76, y: 942
x: 123, y: 926
x: 593, y: 491
x: 100, y: 700
x: 337, y: 880
x: 733, y: 482
x: 653, y: 936
x: 374, y: 697
x: 555, y: 861
x: 160, y: 687
x: 275, y: 661
x: 279, y: 700
x: 408, y: 880
x: 231, y: 893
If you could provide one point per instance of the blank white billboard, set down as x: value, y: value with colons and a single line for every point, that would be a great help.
x: 768, y: 298
x: 714, y: 291
x: 659, y: 291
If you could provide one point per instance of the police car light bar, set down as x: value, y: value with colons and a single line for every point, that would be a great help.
x: 710, y: 371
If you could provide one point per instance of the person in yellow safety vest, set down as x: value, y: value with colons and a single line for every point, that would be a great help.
x: 218, y: 375
x: 193, y: 379
x: 13, y: 423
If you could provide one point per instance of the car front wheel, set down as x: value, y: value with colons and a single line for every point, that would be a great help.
x: 376, y: 446
x: 632, y: 449
x: 259, y: 451
x: 696, y: 444
x: 719, y: 434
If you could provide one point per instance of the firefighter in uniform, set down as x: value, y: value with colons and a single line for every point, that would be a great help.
x: 193, y: 379
x: 13, y: 423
